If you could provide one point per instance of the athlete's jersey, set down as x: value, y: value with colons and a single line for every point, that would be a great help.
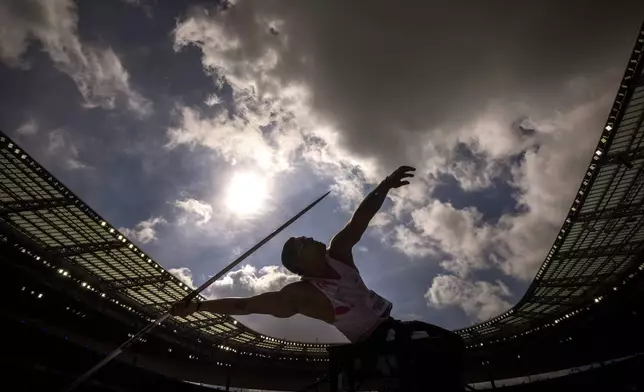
x: 358, y: 310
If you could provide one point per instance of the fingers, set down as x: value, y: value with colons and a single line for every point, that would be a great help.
x: 406, y: 168
x: 397, y: 176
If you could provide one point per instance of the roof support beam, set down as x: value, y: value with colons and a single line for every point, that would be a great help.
x: 226, y: 336
x: 129, y: 283
x: 611, y: 213
x: 17, y: 206
x: 529, y: 315
x: 574, y: 281
x: 255, y: 341
x: 76, y: 250
x: 559, y: 300
x: 625, y: 157
x: 624, y: 249
x: 205, y: 323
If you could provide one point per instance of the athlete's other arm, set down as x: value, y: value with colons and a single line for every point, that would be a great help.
x: 283, y: 304
x: 352, y: 232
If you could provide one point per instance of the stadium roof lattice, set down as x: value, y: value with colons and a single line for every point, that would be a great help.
x: 35, y: 204
x: 597, y: 246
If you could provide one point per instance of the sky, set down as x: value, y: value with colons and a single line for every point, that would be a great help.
x: 198, y: 128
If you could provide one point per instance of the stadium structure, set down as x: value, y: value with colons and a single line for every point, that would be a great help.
x: 75, y: 288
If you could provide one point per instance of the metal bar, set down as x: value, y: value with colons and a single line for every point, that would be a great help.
x: 188, y: 298
x: 611, y: 213
x: 128, y: 283
x: 75, y: 250
x: 17, y: 206
x: 558, y: 300
x: 624, y: 157
x: 621, y: 249
x: 574, y: 281
x: 230, y: 335
x: 530, y: 315
x: 204, y: 323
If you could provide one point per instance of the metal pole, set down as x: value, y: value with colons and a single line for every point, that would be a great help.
x: 188, y: 297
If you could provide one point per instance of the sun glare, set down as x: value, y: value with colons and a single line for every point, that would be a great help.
x: 246, y: 193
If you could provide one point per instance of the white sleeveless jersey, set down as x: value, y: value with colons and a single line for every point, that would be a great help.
x: 358, y: 310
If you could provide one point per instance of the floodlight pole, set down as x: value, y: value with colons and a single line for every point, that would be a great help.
x: 188, y: 298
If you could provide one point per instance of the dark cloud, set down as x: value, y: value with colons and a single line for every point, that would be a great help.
x: 381, y: 68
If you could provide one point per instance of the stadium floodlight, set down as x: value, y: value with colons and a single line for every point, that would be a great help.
x: 608, y: 127
x: 598, y: 152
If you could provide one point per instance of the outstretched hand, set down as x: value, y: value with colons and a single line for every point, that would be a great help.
x: 395, y: 179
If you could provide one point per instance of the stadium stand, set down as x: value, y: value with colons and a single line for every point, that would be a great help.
x: 76, y: 288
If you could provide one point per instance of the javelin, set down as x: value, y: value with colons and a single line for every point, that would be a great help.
x: 188, y: 297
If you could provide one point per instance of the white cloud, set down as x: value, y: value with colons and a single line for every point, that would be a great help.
x: 408, y: 242
x: 236, y: 140
x: 183, y: 274
x: 194, y: 208
x: 481, y: 300
x: 548, y: 180
x: 289, y: 129
x: 64, y: 150
x: 144, y: 231
x: 475, y: 149
x: 248, y: 281
x: 518, y: 242
x: 28, y: 128
x: 97, y: 72
x: 381, y: 219
x: 459, y: 233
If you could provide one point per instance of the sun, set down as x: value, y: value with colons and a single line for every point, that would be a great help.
x: 246, y: 193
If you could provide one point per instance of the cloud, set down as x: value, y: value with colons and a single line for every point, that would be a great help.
x: 28, y: 128
x: 479, y: 299
x: 419, y: 77
x: 518, y: 242
x: 64, y: 150
x: 97, y: 72
x: 458, y: 233
x: 408, y: 242
x: 203, y: 223
x: 248, y: 281
x: 270, y: 125
x: 193, y: 208
x: 236, y: 140
x: 144, y: 231
x: 184, y: 274
x: 381, y: 219
x: 358, y: 110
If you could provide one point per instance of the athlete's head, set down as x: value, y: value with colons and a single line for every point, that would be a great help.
x: 303, y: 255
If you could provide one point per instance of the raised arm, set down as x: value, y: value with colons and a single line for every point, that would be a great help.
x: 352, y: 232
x: 283, y: 304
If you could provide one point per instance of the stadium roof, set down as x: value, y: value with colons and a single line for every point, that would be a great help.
x: 37, y: 205
x: 596, y: 248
